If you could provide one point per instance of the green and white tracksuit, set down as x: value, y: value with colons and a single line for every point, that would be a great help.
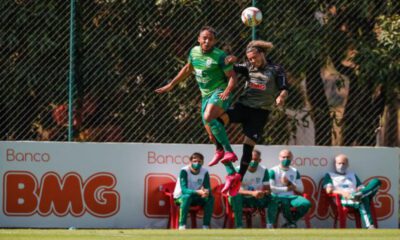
x: 350, y: 182
x: 287, y: 199
x: 185, y: 194
x: 252, y: 181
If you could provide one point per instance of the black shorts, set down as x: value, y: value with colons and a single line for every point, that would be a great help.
x: 253, y: 120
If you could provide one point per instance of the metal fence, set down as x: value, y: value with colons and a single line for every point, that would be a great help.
x: 342, y: 59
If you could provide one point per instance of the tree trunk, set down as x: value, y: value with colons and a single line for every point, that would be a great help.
x: 319, y: 106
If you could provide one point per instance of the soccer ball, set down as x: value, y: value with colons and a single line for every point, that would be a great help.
x: 251, y: 16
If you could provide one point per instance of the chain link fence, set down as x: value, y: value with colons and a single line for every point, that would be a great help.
x: 341, y: 57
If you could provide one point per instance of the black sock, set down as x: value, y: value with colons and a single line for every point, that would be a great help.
x: 218, y: 145
x: 246, y: 159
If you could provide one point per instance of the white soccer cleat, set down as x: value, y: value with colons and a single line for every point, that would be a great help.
x: 182, y: 227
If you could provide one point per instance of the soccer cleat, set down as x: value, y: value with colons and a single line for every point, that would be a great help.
x: 235, y: 187
x: 289, y: 225
x: 371, y: 226
x: 182, y: 227
x: 231, y: 181
x: 206, y: 227
x: 229, y: 157
x: 219, y: 154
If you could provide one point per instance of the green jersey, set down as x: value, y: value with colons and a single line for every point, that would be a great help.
x: 209, y: 69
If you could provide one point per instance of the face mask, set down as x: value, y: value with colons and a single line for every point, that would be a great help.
x: 341, y: 169
x: 286, y: 162
x: 253, y: 164
x: 196, y: 166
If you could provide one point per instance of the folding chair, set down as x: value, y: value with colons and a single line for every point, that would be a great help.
x: 173, y: 219
x: 340, y: 212
x: 248, y: 213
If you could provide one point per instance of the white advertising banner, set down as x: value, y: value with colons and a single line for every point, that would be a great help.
x: 117, y: 185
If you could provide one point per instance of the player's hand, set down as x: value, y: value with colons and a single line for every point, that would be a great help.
x: 346, y: 195
x: 285, y: 181
x: 224, y: 95
x: 203, y: 192
x: 259, y: 194
x: 280, y: 101
x: 230, y: 59
x: 164, y: 89
x: 291, y: 187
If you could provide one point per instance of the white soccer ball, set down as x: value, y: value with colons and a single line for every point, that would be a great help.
x: 251, y: 16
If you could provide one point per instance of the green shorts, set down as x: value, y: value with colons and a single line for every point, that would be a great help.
x: 215, y: 100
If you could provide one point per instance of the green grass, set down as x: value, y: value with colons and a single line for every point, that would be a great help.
x: 221, y: 234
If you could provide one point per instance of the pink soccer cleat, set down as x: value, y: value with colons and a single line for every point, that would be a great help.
x: 232, y: 184
x: 235, y: 187
x: 229, y: 157
x: 219, y: 154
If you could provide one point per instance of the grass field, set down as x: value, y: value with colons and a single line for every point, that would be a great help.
x: 220, y: 234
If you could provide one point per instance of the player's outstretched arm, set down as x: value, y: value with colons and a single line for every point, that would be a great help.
x: 182, y: 75
x: 231, y: 85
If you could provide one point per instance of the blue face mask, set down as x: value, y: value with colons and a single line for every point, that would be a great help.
x: 286, y: 162
x: 196, y: 166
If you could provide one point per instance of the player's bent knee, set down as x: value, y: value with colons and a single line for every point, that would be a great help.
x: 208, y: 117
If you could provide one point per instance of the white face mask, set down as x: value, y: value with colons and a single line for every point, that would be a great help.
x: 341, y: 169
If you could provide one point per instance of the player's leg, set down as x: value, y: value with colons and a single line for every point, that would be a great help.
x: 368, y: 191
x: 272, y: 210
x: 253, y: 128
x: 302, y: 206
x: 237, y: 206
x: 215, y: 108
x: 208, y: 207
x: 365, y: 208
x: 184, y: 202
x: 248, y: 147
x: 219, y: 149
x: 285, y: 206
x: 365, y: 212
x: 225, y: 120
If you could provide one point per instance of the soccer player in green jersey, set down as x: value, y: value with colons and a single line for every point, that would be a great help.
x: 353, y: 193
x: 216, y: 80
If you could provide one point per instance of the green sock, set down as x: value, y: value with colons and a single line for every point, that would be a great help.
x: 218, y: 130
x: 229, y: 168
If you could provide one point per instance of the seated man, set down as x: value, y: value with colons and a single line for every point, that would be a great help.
x: 352, y: 192
x: 254, y: 191
x: 193, y: 189
x: 285, y: 183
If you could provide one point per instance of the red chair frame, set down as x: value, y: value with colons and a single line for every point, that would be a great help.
x: 248, y: 213
x: 173, y: 218
x: 340, y: 212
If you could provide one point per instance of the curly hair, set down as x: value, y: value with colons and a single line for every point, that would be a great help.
x: 259, y: 46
